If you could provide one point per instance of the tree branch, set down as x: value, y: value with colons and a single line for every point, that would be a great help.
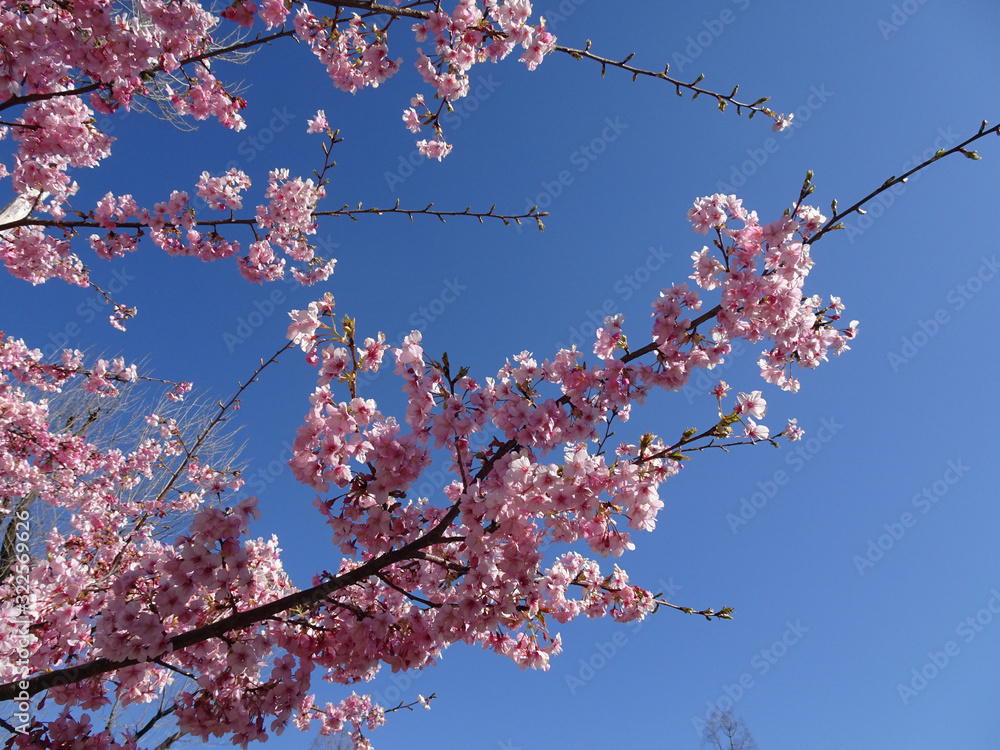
x: 15, y: 101
x: 833, y: 223
x: 240, y: 620
x: 723, y: 99
x: 159, y: 715
x: 352, y: 213
x: 373, y: 8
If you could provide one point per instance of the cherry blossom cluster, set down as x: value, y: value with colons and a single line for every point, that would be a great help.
x: 48, y: 44
x: 507, y: 547
x: 20, y: 364
x: 355, y: 53
x: 319, y: 123
x: 223, y: 192
x: 241, y: 13
x: 51, y: 48
x: 468, y: 35
x: 285, y: 223
x: 287, y: 219
x: 762, y: 270
x: 545, y: 478
x: 58, y: 466
x: 50, y: 51
x: 56, y: 134
x: 207, y: 97
x: 29, y: 253
x: 63, y: 62
x: 537, y: 491
x: 158, y: 590
x: 108, y: 586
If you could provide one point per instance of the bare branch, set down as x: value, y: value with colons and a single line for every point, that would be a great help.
x: 723, y: 100
x: 834, y: 222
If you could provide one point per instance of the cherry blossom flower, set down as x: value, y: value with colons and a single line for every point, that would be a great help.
x: 318, y: 124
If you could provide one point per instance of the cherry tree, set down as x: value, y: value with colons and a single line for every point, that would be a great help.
x: 514, y: 546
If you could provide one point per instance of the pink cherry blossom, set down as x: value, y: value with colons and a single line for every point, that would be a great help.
x: 304, y: 324
x: 751, y: 403
x: 241, y: 12
x: 781, y: 122
x: 318, y: 124
x: 434, y: 149
x: 509, y: 546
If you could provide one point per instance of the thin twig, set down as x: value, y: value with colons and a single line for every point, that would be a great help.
x: 723, y: 100
x: 832, y: 223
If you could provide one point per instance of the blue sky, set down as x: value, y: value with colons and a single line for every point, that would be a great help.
x: 861, y: 560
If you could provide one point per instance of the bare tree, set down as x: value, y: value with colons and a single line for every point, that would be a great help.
x: 725, y: 732
x: 339, y: 741
x: 155, y: 100
x: 119, y: 421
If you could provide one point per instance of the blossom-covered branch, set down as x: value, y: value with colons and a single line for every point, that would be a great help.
x: 419, y: 575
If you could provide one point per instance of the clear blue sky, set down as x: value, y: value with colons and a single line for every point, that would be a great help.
x: 874, y: 541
